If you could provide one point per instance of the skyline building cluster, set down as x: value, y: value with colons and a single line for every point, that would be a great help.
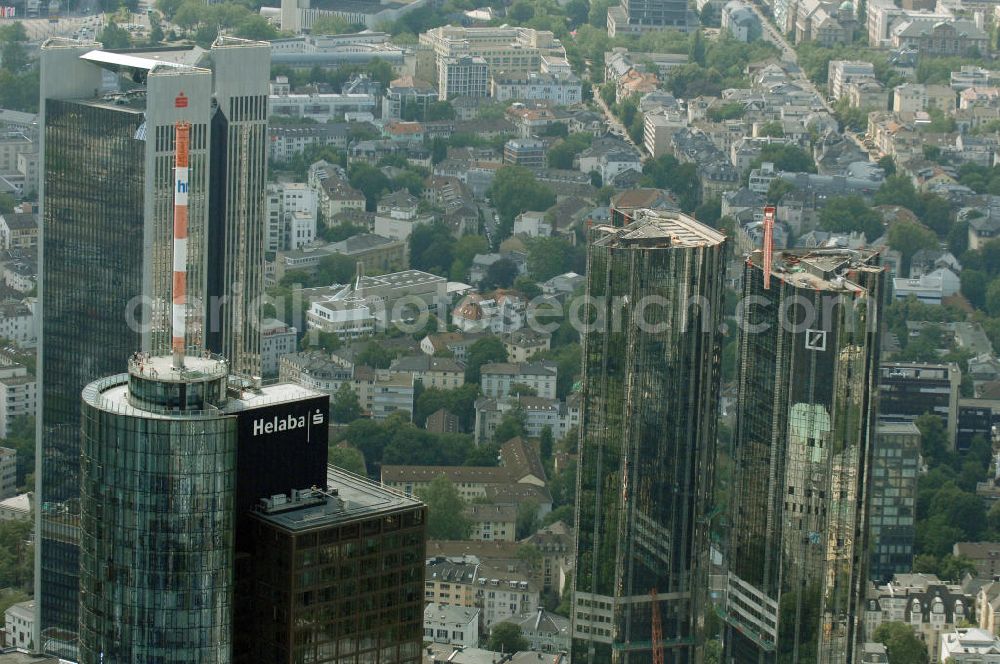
x: 788, y: 571
x: 106, y: 245
x: 187, y: 513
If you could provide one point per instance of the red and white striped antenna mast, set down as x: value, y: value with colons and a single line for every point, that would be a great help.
x: 768, y: 244
x: 182, y: 135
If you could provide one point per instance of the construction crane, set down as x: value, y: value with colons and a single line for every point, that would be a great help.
x: 657, y: 629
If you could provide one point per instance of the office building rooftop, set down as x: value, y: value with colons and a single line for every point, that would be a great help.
x: 347, y: 497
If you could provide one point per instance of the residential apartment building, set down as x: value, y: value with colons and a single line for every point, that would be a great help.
x: 456, y: 625
x: 18, y: 231
x: 375, y: 254
x: 8, y: 473
x: 502, y: 313
x: 19, y: 623
x: 286, y: 141
x: 500, y: 591
x: 491, y: 523
x: 519, y: 464
x: 985, y: 556
x: 929, y: 606
x: 539, y: 413
x: 560, y: 89
x: 525, y: 343
x: 18, y: 322
x: 968, y: 645
x: 443, y: 373
x: 840, y: 73
x: 546, y: 632
x: 913, y: 97
x: 291, y: 216
x: 555, y: 542
x: 277, y: 339
x: 18, y: 391
x: 527, y: 152
x: 397, y: 214
x: 498, y: 379
x: 407, y: 97
x: 322, y: 107
x: 741, y: 22
x: 465, y: 76
x: 382, y: 396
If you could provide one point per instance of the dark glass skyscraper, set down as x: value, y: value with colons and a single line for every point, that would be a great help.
x: 650, y: 389
x: 106, y: 246
x: 338, y: 575
x: 895, y: 468
x: 805, y: 426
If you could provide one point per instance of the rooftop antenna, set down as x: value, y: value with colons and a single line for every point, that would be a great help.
x: 768, y: 244
x: 182, y: 134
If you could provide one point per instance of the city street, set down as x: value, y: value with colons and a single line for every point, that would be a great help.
x: 616, y: 127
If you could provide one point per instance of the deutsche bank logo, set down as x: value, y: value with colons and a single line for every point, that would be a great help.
x: 815, y: 339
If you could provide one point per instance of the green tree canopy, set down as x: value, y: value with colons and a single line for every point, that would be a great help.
x: 256, y: 27
x: 506, y: 637
x: 501, y: 274
x: 445, y: 510
x: 376, y: 356
x: 331, y: 25
x: 788, y: 158
x: 348, y: 458
x: 370, y: 181
x: 431, y: 248
x: 898, y: 190
x: 114, y: 36
x: 847, y: 214
x: 483, y: 351
x: 512, y: 425
x: 527, y: 519
x: 665, y: 172
x: 908, y: 238
x: 514, y: 191
x: 901, y: 643
x: 345, y: 407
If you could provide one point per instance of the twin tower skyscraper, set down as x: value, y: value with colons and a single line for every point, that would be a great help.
x: 776, y: 553
x: 106, y: 248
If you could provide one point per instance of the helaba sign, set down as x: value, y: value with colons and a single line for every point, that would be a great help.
x: 289, y: 422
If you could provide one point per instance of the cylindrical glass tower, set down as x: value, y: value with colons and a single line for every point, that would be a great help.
x: 158, y: 481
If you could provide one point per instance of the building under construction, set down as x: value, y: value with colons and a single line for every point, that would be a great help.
x: 805, y: 428
x: 650, y: 388
x: 106, y: 247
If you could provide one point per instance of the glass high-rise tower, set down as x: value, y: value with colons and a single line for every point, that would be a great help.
x: 157, y: 497
x: 650, y: 387
x: 106, y: 247
x: 173, y: 461
x: 805, y: 428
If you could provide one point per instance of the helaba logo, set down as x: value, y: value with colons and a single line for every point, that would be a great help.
x: 287, y: 423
